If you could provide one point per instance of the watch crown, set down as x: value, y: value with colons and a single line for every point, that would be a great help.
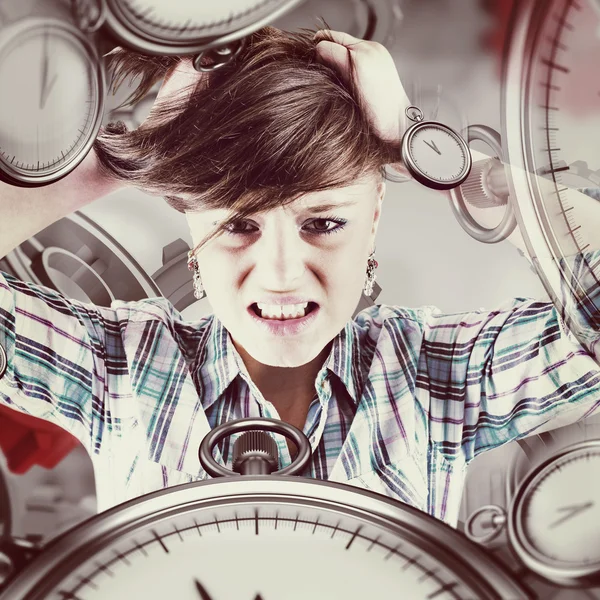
x: 486, y: 185
x: 255, y: 453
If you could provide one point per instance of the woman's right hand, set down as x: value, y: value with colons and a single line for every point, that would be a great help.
x: 377, y: 80
x: 375, y: 76
x: 179, y: 83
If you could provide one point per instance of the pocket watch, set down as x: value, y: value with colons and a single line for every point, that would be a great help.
x: 434, y: 154
x: 258, y: 533
x: 52, y: 100
x: 553, y: 521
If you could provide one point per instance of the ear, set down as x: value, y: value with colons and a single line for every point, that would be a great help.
x: 195, y: 225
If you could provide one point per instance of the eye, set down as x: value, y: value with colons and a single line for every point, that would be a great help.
x: 233, y: 228
x: 321, y: 226
x: 326, y: 222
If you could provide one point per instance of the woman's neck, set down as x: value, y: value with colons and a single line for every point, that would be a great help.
x: 291, y: 390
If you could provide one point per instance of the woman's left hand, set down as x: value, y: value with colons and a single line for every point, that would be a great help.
x: 375, y: 76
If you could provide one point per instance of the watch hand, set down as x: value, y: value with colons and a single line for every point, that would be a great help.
x: 46, y: 89
x: 573, y: 510
x: 204, y: 595
x: 50, y: 89
x: 44, y: 69
x: 433, y: 146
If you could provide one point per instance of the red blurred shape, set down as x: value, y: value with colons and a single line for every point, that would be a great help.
x: 580, y: 52
x: 494, y: 40
x: 28, y: 441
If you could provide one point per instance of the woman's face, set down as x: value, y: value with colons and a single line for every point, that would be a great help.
x: 312, y: 250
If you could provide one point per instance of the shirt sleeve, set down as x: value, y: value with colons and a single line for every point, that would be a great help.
x: 496, y: 376
x: 56, y: 357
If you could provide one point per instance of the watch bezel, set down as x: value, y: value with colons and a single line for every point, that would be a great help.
x: 70, y: 550
x: 127, y: 32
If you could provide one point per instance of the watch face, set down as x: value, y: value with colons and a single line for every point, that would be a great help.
x: 436, y: 155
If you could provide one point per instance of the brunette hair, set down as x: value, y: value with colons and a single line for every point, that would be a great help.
x: 255, y: 134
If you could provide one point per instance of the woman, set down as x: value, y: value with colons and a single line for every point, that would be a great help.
x: 279, y: 158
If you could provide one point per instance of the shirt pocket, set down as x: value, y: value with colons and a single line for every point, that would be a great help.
x: 403, y: 480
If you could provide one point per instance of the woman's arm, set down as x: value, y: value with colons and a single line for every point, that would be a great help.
x: 491, y: 377
x: 27, y: 211
x: 54, y: 347
x: 496, y: 376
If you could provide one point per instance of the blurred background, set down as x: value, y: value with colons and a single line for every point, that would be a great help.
x: 448, y: 54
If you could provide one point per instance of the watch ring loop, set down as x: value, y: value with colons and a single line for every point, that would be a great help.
x: 79, y: 16
x: 224, y: 430
x: 226, y: 56
x: 457, y: 202
x: 418, y: 117
x: 497, y: 521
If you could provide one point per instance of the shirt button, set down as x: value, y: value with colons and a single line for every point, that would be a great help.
x: 3, y: 362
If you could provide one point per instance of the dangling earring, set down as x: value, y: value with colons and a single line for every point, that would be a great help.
x: 199, y: 292
x: 372, y: 264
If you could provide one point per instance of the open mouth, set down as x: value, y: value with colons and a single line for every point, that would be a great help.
x: 310, y: 308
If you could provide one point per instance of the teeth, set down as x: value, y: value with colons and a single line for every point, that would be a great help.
x: 290, y: 311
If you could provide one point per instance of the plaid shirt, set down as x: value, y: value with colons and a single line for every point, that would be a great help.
x: 406, y: 399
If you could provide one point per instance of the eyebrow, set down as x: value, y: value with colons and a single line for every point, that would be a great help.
x: 320, y: 208
x: 327, y: 207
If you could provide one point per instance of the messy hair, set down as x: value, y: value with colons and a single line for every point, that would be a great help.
x: 273, y: 124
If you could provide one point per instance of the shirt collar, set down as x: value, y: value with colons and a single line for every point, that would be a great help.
x: 345, y: 360
x: 222, y: 363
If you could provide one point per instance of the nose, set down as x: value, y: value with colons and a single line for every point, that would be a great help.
x: 281, y: 254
